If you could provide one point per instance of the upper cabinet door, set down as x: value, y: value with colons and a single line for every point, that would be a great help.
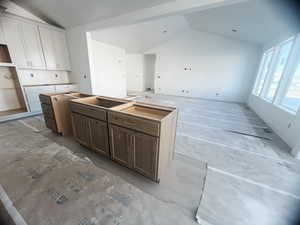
x: 13, y: 35
x: 47, y: 39
x: 55, y: 49
x: 2, y: 40
x: 32, y: 46
x: 24, y: 43
x: 61, y: 50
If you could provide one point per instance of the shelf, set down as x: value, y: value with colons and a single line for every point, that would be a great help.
x: 12, y: 112
x: 7, y: 64
x: 37, y: 85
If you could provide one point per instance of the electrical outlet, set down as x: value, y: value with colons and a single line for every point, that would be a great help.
x: 289, y: 125
x: 217, y: 94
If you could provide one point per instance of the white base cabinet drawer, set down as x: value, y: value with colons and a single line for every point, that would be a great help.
x: 35, y: 106
x: 64, y: 88
x: 32, y: 93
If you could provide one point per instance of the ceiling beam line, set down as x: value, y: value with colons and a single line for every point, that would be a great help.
x: 177, y: 7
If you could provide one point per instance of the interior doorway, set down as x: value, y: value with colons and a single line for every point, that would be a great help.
x: 149, y: 71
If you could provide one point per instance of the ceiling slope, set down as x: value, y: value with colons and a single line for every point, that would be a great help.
x: 70, y: 13
x: 257, y: 21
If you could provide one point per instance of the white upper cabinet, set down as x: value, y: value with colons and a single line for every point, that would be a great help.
x: 32, y: 46
x: 48, y: 47
x: 2, y: 41
x: 13, y: 33
x: 55, y: 48
x: 23, y: 43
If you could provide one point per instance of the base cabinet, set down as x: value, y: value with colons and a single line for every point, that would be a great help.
x: 145, y: 154
x: 120, y: 141
x: 81, y: 129
x: 99, y: 136
x: 136, y: 135
x: 135, y: 150
x: 91, y: 133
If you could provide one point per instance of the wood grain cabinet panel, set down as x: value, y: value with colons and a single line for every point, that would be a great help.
x: 120, y: 140
x: 99, y: 136
x: 81, y: 129
x: 145, y: 152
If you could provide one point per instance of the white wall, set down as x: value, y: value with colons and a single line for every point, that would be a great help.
x: 108, y: 69
x: 80, y: 74
x: 284, y: 123
x: 135, y: 72
x: 221, y: 68
x: 77, y: 35
x: 149, y: 70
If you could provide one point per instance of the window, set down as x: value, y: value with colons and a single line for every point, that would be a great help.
x: 263, y: 71
x: 278, y: 80
x: 291, y: 99
x: 281, y: 61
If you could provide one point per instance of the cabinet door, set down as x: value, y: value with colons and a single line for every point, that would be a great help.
x: 47, y: 40
x: 13, y: 32
x: 120, y: 144
x: 61, y: 51
x: 99, y: 136
x: 145, y: 154
x: 81, y: 129
x: 2, y: 39
x: 32, y: 46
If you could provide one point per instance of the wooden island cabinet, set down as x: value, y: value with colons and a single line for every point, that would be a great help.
x: 133, y: 134
x: 55, y: 107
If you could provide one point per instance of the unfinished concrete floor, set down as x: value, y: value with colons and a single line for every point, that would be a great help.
x: 230, y: 177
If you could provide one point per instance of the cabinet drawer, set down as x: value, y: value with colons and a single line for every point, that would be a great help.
x: 32, y: 93
x: 45, y: 99
x: 64, y: 88
x: 88, y: 111
x: 47, y: 111
x: 143, y: 125
x: 35, y: 106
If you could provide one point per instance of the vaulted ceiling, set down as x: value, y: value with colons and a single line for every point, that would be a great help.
x: 69, y: 13
x: 138, y: 38
x: 257, y: 21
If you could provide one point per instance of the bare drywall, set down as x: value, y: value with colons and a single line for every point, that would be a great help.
x: 135, y: 72
x: 284, y: 123
x: 198, y: 64
x: 149, y: 70
x: 108, y: 69
x: 77, y: 35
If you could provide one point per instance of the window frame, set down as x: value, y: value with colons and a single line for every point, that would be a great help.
x: 294, y: 62
x: 260, y: 71
x: 274, y: 67
x: 286, y: 77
